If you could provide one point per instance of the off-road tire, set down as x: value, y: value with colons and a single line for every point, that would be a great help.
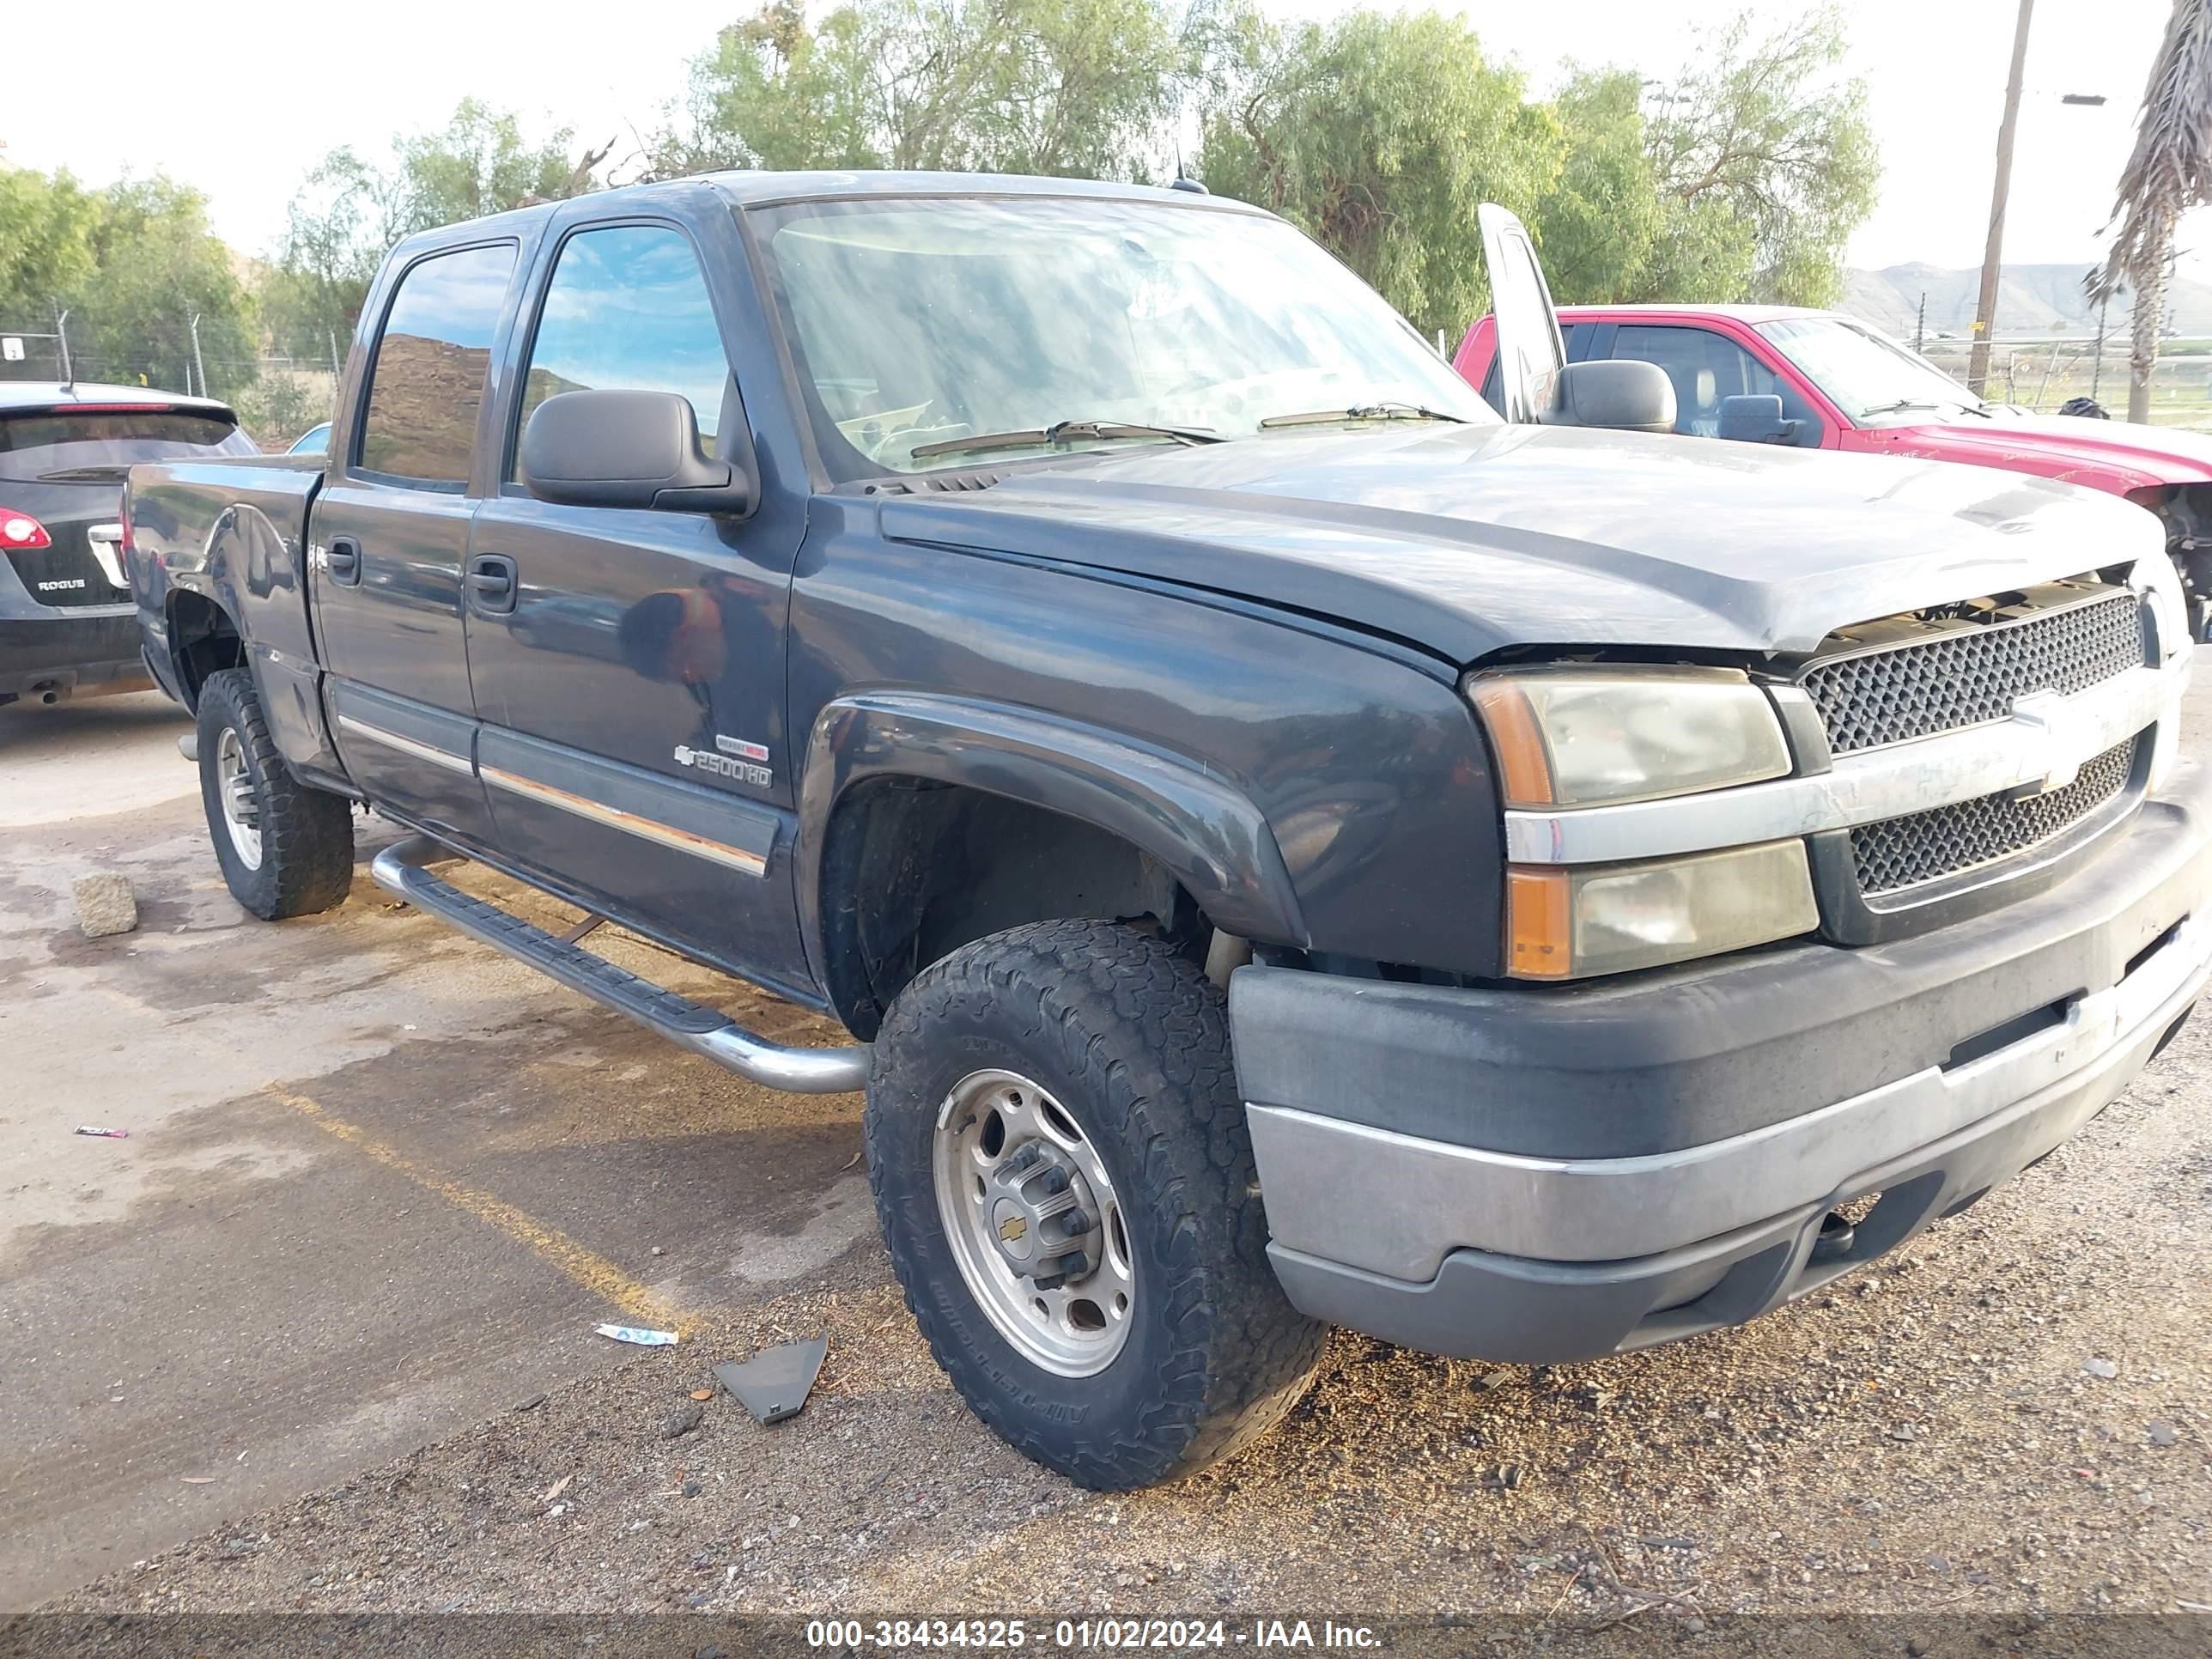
x: 1133, y: 1040
x: 307, y: 834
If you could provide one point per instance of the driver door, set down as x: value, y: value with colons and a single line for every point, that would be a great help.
x: 1531, y: 352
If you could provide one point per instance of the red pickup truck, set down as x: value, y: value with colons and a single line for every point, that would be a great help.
x: 1818, y: 380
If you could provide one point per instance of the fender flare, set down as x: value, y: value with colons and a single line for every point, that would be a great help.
x: 251, y: 572
x: 1200, y: 826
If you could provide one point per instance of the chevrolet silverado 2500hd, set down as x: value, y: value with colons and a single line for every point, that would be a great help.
x: 1288, y: 847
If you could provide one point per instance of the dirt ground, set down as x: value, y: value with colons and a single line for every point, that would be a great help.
x: 317, y: 1338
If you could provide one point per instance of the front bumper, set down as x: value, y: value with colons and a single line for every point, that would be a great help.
x: 1543, y: 1175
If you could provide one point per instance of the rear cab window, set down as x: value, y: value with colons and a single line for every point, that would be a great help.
x: 426, y: 382
x: 91, y: 444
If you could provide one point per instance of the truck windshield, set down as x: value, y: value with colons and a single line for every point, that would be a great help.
x: 1870, y: 378
x: 914, y: 323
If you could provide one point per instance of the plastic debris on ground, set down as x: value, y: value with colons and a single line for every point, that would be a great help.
x: 104, y: 1134
x: 642, y: 1339
x: 773, y: 1384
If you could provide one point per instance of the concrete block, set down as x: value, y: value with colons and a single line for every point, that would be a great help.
x: 104, y: 905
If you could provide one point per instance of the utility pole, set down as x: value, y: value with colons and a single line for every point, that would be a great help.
x: 2097, y: 362
x: 1920, y: 325
x: 1985, y: 309
x: 198, y: 367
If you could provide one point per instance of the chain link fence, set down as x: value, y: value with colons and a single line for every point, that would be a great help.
x: 277, y: 396
x: 2044, y: 377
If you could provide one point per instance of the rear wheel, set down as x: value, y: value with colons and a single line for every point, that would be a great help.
x: 286, y: 850
x: 1066, y: 1186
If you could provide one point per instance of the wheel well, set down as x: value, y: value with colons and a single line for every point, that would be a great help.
x: 912, y: 870
x: 203, y: 641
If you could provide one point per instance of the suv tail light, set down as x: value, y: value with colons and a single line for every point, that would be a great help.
x: 19, y: 532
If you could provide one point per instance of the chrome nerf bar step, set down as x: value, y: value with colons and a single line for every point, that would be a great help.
x: 401, y: 871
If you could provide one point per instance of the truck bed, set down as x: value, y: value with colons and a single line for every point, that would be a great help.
x: 232, y: 532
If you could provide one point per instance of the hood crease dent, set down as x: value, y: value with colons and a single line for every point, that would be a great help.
x: 1468, y: 540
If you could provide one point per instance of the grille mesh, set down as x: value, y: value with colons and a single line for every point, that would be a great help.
x: 1971, y: 676
x: 1899, y: 853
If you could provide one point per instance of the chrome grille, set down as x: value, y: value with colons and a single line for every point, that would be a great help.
x: 1972, y: 674
x: 1900, y: 853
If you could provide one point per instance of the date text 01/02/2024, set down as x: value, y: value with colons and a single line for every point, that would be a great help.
x: 1169, y: 1634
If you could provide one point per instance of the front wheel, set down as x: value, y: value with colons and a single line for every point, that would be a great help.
x: 286, y: 850
x: 1066, y: 1186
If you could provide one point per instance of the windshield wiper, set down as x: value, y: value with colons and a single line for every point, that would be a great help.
x: 1365, y: 412
x: 1063, y: 432
x: 1981, y: 409
x: 112, y: 474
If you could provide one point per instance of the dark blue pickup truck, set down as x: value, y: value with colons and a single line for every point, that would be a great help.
x: 1288, y: 847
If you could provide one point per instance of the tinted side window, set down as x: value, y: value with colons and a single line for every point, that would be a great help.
x: 628, y: 310
x: 427, y: 381
x: 1705, y: 368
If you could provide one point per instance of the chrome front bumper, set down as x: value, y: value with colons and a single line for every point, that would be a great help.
x: 1521, y: 1174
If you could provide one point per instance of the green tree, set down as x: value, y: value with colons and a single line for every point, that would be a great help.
x: 1074, y: 87
x: 46, y: 244
x: 1601, y: 226
x: 479, y: 162
x: 1380, y: 135
x: 2168, y: 171
x: 349, y: 211
x: 156, y: 264
x: 1765, y: 162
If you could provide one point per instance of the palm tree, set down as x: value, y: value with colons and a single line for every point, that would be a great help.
x: 2169, y: 172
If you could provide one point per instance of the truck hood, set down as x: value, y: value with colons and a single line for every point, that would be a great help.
x: 2111, y: 455
x: 1465, y: 540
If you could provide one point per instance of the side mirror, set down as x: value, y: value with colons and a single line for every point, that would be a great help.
x: 1756, y: 420
x: 1620, y: 392
x: 628, y: 449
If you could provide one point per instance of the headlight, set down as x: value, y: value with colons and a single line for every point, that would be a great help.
x: 1568, y: 923
x: 1577, y: 736
x: 2160, y: 584
x: 1570, y: 737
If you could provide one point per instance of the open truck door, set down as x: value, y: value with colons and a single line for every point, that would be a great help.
x: 1531, y: 352
x: 1535, y: 387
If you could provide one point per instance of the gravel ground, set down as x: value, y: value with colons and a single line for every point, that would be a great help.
x: 1939, y: 1432
x: 2010, y: 1417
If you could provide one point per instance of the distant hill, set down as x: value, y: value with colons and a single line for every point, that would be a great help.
x: 2031, y: 300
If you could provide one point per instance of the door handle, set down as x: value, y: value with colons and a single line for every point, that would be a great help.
x: 343, y: 560
x: 492, y: 580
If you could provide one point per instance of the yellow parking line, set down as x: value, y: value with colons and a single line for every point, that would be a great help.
x: 641, y: 1304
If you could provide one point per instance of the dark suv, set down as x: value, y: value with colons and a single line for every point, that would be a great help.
x: 66, y: 625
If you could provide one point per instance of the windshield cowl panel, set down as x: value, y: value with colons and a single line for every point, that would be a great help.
x: 915, y: 323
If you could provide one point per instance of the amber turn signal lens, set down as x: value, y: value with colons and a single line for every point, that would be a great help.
x: 1524, y: 762
x: 1539, y: 924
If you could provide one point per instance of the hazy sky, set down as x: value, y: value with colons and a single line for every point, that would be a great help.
x: 241, y: 97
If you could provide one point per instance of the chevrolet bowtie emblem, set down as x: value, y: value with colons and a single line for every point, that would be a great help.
x: 2064, y: 740
x: 1013, y: 1228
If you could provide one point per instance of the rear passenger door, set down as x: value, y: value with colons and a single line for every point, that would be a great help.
x: 630, y: 679
x: 389, y: 529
